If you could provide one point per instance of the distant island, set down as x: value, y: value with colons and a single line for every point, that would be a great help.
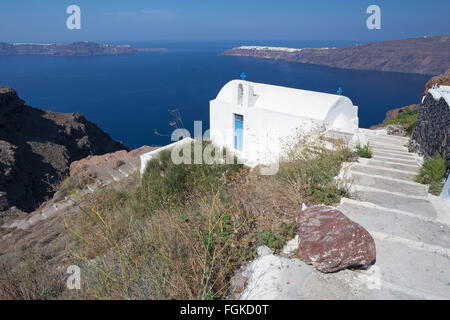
x: 83, y: 48
x: 426, y: 55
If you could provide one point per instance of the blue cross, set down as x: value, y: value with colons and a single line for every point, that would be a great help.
x: 339, y: 92
x: 243, y: 76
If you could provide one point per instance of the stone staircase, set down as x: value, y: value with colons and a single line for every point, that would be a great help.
x: 411, y: 228
x: 105, y: 177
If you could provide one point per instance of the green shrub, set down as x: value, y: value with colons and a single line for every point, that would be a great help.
x: 167, y: 184
x: 364, y: 151
x: 185, y: 230
x: 433, y: 170
x: 311, y: 169
x: 407, y: 118
x: 269, y: 239
x: 436, y: 188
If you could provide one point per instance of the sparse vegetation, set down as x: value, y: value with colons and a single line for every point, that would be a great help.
x: 119, y: 164
x: 364, y: 151
x: 183, y: 232
x: 407, y: 118
x: 269, y: 239
x: 432, y: 173
x: 73, y: 184
x: 33, y: 279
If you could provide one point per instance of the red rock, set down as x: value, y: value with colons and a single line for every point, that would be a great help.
x: 443, y: 79
x: 331, y: 242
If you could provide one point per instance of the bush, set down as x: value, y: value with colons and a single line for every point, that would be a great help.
x: 364, y: 151
x: 436, y: 188
x: 269, y: 239
x: 433, y: 170
x: 167, y: 184
x: 185, y: 230
x: 310, y: 171
x: 407, y: 118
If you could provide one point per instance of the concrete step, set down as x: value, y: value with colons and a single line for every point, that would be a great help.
x: 394, y: 159
x: 115, y: 177
x: 401, y: 225
x: 124, y: 172
x: 388, y: 140
x: 383, y: 183
x: 388, y: 164
x: 388, y: 143
x: 416, y: 206
x: 63, y: 204
x: 381, y: 171
x: 395, y: 155
x: 35, y: 219
x: 409, y: 267
x: 388, y: 148
x: 394, y: 152
x: 92, y: 188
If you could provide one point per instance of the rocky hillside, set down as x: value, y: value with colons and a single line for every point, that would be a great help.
x: 437, y: 80
x: 37, y: 148
x: 427, y: 55
x: 84, y: 48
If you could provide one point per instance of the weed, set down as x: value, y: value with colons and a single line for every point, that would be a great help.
x: 364, y: 151
x: 183, y: 232
x: 407, y: 118
x: 433, y: 170
x: 269, y: 239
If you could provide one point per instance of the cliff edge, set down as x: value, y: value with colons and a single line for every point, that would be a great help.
x: 37, y: 148
x: 426, y: 55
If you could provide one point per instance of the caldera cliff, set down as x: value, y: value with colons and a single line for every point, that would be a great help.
x: 37, y: 148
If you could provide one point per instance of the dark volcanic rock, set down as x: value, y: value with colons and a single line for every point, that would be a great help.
x: 430, y: 55
x: 37, y: 148
x: 432, y: 132
x: 331, y: 242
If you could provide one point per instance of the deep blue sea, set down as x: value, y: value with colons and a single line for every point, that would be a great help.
x: 129, y: 95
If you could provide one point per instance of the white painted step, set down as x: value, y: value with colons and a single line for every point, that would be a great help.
x: 405, y: 265
x: 389, y: 164
x: 394, y: 159
x: 381, y: 171
x: 395, y: 155
x: 382, y: 183
x: 421, y: 207
x: 395, y: 223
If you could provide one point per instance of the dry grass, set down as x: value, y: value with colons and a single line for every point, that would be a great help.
x: 32, y: 279
x: 183, y: 232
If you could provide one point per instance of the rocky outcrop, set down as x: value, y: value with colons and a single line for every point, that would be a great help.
x: 37, y: 148
x: 437, y: 80
x: 394, y: 113
x: 84, y: 48
x: 426, y: 55
x: 331, y: 242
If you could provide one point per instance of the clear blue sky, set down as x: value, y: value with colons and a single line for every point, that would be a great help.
x: 131, y: 20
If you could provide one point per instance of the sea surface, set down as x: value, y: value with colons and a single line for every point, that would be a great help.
x: 130, y: 96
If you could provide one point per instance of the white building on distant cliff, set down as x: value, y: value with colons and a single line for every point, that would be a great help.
x: 256, y: 119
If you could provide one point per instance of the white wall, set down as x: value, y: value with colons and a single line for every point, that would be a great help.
x: 149, y: 156
x: 267, y: 130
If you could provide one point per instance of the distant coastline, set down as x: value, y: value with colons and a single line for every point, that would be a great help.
x: 84, y: 48
x: 426, y: 55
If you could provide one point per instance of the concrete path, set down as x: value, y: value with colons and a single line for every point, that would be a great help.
x: 411, y: 230
x: 410, y: 227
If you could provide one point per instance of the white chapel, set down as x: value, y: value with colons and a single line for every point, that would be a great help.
x: 255, y: 119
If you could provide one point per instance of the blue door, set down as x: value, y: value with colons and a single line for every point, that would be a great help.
x: 238, y: 132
